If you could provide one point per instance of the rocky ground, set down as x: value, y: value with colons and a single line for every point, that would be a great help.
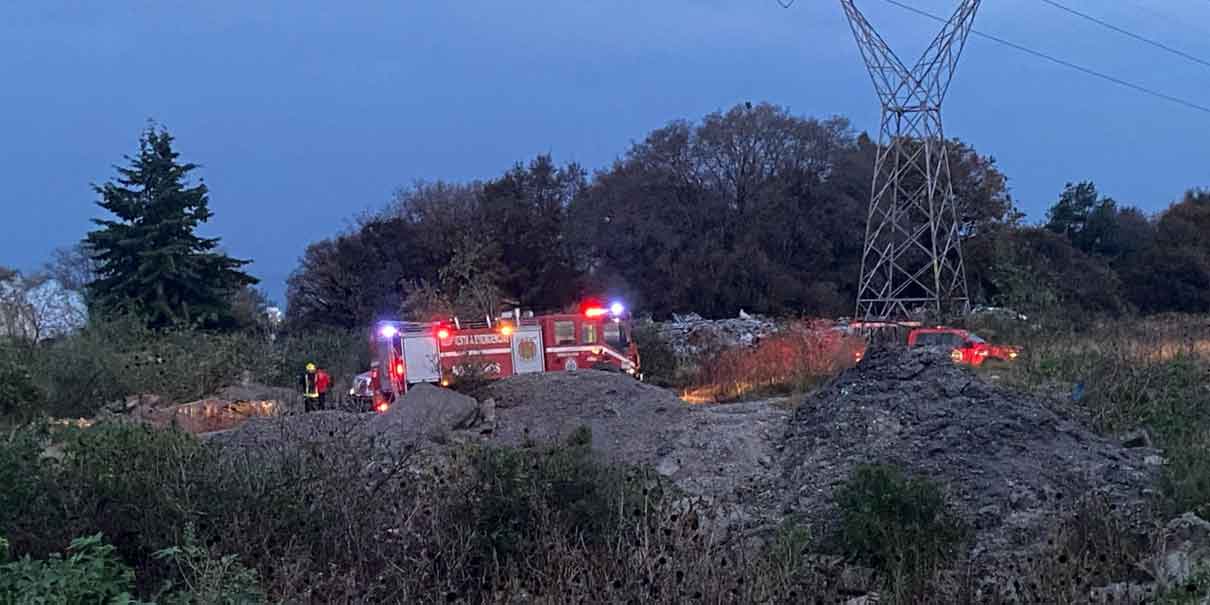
x: 1011, y: 463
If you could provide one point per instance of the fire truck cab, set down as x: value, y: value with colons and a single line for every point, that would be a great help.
x: 516, y: 342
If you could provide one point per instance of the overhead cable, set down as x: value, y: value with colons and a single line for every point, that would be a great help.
x: 1063, y: 62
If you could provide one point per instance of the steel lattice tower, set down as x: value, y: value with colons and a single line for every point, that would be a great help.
x: 912, y: 257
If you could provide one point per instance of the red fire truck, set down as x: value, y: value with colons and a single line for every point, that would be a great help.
x: 409, y: 353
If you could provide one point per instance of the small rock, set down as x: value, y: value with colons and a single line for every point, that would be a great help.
x: 1136, y: 438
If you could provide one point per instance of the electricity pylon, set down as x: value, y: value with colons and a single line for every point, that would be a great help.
x: 912, y: 260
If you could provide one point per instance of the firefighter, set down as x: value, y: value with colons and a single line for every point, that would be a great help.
x: 315, y: 384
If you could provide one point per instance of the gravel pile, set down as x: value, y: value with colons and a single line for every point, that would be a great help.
x: 630, y: 421
x: 1011, y: 464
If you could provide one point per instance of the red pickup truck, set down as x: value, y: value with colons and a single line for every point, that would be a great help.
x: 967, y: 348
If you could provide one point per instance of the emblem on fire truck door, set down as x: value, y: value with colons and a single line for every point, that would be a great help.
x: 527, y: 349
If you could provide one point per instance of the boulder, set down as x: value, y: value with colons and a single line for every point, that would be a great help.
x: 425, y: 414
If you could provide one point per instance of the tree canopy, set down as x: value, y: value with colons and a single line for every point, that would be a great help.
x: 752, y: 208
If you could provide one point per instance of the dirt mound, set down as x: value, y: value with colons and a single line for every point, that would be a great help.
x: 1009, y: 462
x: 723, y: 453
x: 630, y: 421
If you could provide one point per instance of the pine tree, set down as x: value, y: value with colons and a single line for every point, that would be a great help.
x: 150, y: 260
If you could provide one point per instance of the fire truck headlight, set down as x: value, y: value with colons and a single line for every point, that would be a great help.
x: 388, y: 331
x: 616, y: 308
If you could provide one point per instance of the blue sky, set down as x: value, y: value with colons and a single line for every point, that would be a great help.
x: 305, y: 113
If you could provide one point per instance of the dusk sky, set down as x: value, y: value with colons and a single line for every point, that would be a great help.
x: 305, y: 113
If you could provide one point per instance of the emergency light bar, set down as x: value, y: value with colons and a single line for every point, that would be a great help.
x: 388, y: 331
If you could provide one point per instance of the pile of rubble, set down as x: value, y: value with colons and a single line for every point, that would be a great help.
x: 691, y: 337
x: 227, y: 408
x: 1011, y: 464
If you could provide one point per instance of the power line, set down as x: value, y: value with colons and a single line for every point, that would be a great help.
x: 1069, y: 64
x: 1124, y: 32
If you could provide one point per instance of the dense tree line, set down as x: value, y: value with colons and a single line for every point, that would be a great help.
x: 752, y: 208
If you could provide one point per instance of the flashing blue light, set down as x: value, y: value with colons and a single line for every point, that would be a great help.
x: 616, y: 308
x: 388, y: 331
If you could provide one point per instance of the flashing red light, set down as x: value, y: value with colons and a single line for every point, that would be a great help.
x: 595, y: 312
x: 382, y: 407
x: 443, y: 334
x: 399, y: 369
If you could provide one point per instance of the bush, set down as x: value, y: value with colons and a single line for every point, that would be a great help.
x: 657, y: 359
x: 32, y: 505
x: 896, y: 524
x: 138, y: 485
x: 210, y: 579
x: 519, y: 494
x: 90, y: 574
x: 20, y: 398
x: 109, y: 360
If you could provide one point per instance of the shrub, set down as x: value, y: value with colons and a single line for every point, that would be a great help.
x: 20, y: 398
x: 896, y: 524
x: 32, y: 505
x: 90, y: 574
x: 657, y: 359
x: 137, y: 484
x: 111, y: 359
x: 210, y: 579
x: 518, y: 493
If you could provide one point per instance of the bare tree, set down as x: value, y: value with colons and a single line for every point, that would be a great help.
x: 36, y: 307
x: 72, y: 266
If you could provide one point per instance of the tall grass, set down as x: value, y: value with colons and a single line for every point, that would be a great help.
x: 794, y: 359
x: 1145, y: 374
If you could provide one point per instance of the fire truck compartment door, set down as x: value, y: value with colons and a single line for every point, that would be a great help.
x: 528, y: 355
x: 421, y: 358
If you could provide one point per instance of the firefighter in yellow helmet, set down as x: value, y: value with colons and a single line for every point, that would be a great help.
x: 315, y: 383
